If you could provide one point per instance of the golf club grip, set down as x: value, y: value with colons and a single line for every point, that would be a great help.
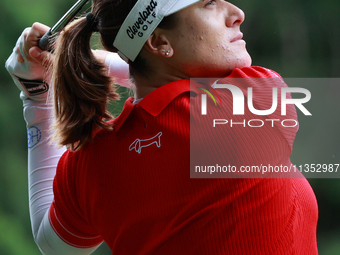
x: 45, y: 41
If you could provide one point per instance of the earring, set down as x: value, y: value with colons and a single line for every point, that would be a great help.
x: 167, y: 53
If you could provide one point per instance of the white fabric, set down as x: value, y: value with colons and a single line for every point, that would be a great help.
x: 26, y: 70
x: 42, y: 158
x: 142, y: 20
x: 137, y: 101
x: 51, y: 244
x: 118, y: 69
x: 42, y: 163
x: 33, y: 71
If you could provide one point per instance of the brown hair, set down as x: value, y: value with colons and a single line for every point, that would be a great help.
x: 82, y: 88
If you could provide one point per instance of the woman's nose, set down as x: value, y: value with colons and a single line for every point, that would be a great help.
x: 235, y: 16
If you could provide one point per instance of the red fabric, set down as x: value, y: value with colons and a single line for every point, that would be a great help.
x: 138, y: 196
x: 240, y: 144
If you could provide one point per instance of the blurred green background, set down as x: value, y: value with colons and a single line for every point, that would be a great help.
x: 295, y: 38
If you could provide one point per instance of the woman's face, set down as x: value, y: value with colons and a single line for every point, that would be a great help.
x: 207, y: 41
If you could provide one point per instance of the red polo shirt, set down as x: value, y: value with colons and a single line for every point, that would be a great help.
x: 132, y: 188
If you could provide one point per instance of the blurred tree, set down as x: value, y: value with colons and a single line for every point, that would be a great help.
x: 295, y: 38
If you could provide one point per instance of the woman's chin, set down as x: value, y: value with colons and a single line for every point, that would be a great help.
x: 245, y: 61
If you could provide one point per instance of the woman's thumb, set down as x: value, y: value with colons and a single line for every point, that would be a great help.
x: 42, y: 57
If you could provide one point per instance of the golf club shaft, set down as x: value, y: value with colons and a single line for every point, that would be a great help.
x: 68, y: 16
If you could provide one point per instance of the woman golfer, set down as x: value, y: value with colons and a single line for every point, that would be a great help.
x: 127, y: 181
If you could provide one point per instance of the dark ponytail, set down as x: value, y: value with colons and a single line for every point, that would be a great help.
x: 82, y: 88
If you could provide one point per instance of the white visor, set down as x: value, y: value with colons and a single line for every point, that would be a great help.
x: 142, y: 20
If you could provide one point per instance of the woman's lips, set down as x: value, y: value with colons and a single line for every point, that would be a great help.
x: 238, y: 37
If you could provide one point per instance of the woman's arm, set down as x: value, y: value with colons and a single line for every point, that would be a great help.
x: 26, y: 65
x: 118, y: 69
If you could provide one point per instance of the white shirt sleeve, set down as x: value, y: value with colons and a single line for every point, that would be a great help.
x: 42, y: 156
x: 118, y: 69
x: 42, y: 163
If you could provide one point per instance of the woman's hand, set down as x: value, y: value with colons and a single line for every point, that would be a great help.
x: 29, y: 52
x: 29, y: 65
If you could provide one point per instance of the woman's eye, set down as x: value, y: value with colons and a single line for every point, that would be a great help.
x: 211, y: 2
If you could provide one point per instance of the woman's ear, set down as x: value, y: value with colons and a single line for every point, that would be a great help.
x: 159, y: 45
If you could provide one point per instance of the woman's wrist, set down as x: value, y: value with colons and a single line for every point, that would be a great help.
x: 29, y: 76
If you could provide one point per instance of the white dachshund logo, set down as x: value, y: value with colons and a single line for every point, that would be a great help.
x: 138, y: 144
